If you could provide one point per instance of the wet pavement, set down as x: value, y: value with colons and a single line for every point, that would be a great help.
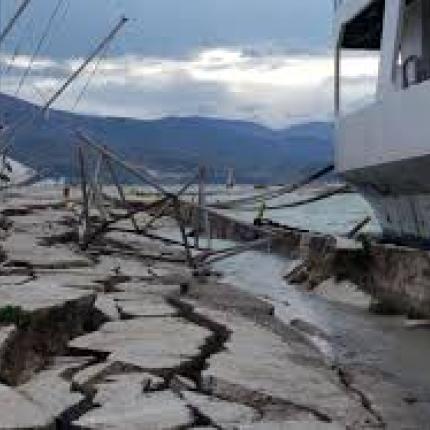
x: 347, y: 334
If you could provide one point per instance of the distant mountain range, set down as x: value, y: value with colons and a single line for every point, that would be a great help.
x: 173, y: 146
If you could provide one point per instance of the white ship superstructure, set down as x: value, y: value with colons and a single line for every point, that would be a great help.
x: 384, y: 148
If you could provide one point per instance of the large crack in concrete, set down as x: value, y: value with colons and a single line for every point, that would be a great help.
x: 216, y: 344
x: 45, y: 335
x: 307, y: 329
x: 213, y: 345
x: 191, y: 368
x: 365, y: 401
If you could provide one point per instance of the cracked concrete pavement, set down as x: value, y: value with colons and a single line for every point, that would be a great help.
x: 113, y: 343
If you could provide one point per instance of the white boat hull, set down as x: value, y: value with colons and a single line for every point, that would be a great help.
x: 399, y: 194
x: 384, y: 150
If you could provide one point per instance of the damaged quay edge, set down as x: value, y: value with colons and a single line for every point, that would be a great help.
x: 396, y: 276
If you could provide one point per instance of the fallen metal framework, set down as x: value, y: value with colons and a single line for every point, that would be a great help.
x: 93, y: 197
x: 92, y: 194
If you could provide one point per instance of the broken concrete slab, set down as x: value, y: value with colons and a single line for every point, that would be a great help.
x: 205, y: 428
x: 110, y: 374
x: 146, y: 288
x: 344, y: 292
x: 68, y: 365
x: 5, y: 281
x: 290, y: 267
x: 141, y: 381
x: 291, y: 425
x: 6, y: 335
x: 51, y: 393
x: 24, y: 249
x: 6, y: 332
x: 81, y: 278
x: 17, y: 412
x: 180, y: 383
x: 398, y: 407
x: 222, y: 296
x: 108, y: 307
x: 144, y: 247
x: 132, y: 268
x: 43, y: 223
x: 159, y: 271
x: 149, y: 306
x: 259, y: 363
x: 37, y: 295
x: 152, y: 411
x: 89, y: 375
x: 129, y: 296
x: 148, y: 343
x: 221, y: 412
x: 47, y: 317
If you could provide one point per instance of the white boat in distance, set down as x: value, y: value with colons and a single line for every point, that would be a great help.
x: 384, y: 148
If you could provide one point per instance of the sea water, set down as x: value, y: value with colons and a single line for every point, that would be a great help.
x: 335, y: 215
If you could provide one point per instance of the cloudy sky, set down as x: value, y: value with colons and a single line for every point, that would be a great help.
x: 267, y: 61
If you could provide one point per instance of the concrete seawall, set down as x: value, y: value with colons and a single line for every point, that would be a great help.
x: 397, y: 277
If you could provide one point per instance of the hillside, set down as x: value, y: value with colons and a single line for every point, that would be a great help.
x: 173, y: 146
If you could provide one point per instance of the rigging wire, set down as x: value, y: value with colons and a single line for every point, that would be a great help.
x: 118, y: 11
x: 19, y: 47
x: 39, y: 45
x: 60, y: 20
x: 270, y: 195
x: 323, y: 195
x: 90, y: 78
x: 38, y: 91
x: 23, y: 124
x: 1, y: 61
x: 15, y: 18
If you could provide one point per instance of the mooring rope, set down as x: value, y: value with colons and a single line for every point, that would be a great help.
x: 91, y: 76
x: 321, y: 196
x: 270, y: 195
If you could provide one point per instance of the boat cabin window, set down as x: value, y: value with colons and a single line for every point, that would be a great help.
x: 413, y: 64
x: 358, y: 59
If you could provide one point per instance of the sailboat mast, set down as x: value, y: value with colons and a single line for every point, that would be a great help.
x: 44, y: 109
x: 13, y: 20
x: 94, y: 54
